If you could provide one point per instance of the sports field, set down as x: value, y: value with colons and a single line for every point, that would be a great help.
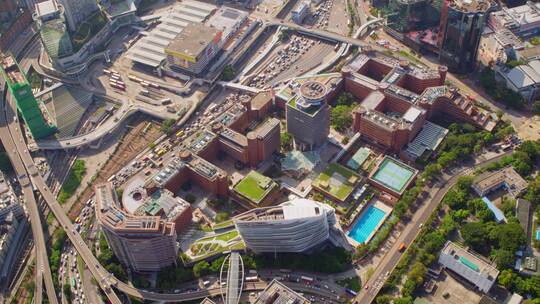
x: 394, y: 174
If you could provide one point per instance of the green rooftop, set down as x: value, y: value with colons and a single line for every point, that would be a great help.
x: 336, y: 181
x: 358, y: 159
x: 310, y: 110
x: 255, y: 186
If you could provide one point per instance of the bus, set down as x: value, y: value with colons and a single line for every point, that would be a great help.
x: 254, y: 278
x: 307, y: 279
x: 351, y: 292
x: 180, y: 133
x: 133, y: 78
x: 283, y: 270
x: 106, y: 72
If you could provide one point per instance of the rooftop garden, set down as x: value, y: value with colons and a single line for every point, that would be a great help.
x: 255, y: 186
x: 87, y: 29
x: 213, y: 245
x: 336, y: 181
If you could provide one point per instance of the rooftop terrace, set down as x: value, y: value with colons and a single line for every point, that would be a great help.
x: 255, y: 186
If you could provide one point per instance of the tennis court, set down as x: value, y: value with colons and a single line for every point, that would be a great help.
x: 394, y: 174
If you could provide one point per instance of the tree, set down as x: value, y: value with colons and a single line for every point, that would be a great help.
x: 191, y: 198
x: 284, y: 35
x: 286, y: 141
x: 361, y: 251
x: 201, y: 268
x: 66, y: 289
x: 228, y: 73
x: 431, y: 170
x: 536, y: 107
x: 474, y: 235
x: 166, y: 126
x: 340, y: 117
x: 505, y: 259
x: 506, y: 278
x: 345, y: 99
x: 509, y: 236
x: 404, y: 300
x: 222, y: 217
x: 5, y: 163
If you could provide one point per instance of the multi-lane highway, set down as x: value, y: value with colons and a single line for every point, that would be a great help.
x: 411, y: 231
x: 42, y: 271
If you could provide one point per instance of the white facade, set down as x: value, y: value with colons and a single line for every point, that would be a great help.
x: 468, y: 265
x: 300, y: 12
x: 294, y: 226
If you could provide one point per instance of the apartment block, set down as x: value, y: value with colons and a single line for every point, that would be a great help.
x: 142, y: 243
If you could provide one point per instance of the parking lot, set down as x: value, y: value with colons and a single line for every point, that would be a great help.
x: 451, y: 291
x: 293, y: 58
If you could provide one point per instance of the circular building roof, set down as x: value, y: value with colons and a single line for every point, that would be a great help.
x: 313, y: 91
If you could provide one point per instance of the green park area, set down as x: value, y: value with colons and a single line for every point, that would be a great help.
x: 255, y: 186
x: 213, y: 245
x: 73, y: 181
x: 336, y: 181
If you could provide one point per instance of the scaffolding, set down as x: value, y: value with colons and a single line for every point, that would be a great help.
x: 34, y: 113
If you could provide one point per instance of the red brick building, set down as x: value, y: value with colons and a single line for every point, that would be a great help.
x: 397, y: 98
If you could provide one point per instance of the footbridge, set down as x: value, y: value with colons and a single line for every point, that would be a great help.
x: 231, y: 278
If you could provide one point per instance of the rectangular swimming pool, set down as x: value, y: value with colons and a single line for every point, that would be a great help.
x: 365, y: 226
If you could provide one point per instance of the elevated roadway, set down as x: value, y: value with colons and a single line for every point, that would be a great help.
x: 42, y: 270
x: 14, y: 141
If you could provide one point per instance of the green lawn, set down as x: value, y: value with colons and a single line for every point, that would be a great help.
x: 72, y: 182
x: 342, y: 190
x: 252, y: 186
x: 353, y: 283
x: 205, y: 247
x: 225, y: 224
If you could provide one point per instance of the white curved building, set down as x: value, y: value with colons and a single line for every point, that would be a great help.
x: 294, y: 226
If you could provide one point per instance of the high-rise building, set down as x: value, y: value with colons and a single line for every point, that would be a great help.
x: 308, y: 115
x: 13, y: 231
x: 461, y: 26
x: 34, y: 113
x: 142, y: 243
x: 410, y: 15
x: 294, y: 226
x: 77, y: 11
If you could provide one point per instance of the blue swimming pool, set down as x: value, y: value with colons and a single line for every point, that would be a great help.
x: 538, y: 234
x: 366, y: 224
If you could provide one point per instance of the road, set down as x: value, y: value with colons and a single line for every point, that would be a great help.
x: 42, y: 271
x: 411, y: 231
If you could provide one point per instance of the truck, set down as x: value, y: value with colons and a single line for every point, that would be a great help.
x: 166, y: 101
